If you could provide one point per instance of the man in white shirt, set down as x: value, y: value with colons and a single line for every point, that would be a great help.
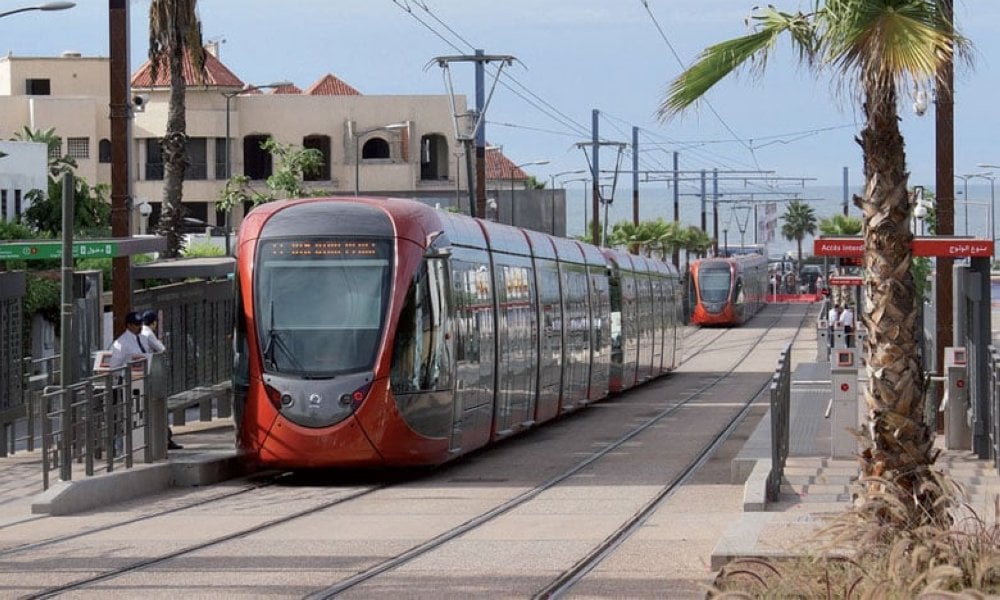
x: 149, y: 328
x: 128, y: 346
x: 832, y: 318
x: 847, y: 321
x: 155, y: 346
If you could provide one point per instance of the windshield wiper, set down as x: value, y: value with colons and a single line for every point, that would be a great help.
x: 274, y: 339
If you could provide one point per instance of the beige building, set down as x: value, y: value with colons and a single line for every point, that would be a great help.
x: 395, y: 145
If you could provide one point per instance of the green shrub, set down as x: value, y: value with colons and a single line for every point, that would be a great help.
x: 203, y: 250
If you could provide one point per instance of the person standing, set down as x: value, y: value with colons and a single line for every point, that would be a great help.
x: 128, y: 346
x: 832, y: 318
x: 155, y: 346
x: 847, y: 322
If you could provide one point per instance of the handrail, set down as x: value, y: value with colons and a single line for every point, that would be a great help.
x: 781, y: 391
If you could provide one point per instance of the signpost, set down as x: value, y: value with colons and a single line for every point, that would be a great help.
x: 948, y: 247
x: 105, y: 248
x: 53, y: 250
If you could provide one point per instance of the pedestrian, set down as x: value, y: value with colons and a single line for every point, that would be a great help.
x: 150, y: 325
x: 832, y: 318
x: 128, y: 346
x: 847, y: 321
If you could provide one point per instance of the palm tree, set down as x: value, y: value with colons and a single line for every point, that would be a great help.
x: 873, y: 48
x: 623, y: 233
x: 840, y: 225
x: 174, y: 35
x: 800, y: 220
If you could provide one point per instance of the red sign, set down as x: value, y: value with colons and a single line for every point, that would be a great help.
x: 845, y: 280
x: 949, y: 247
x: 960, y: 383
x: 952, y: 247
x: 844, y: 387
x: 839, y: 246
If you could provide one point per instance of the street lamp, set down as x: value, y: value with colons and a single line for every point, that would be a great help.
x: 357, y: 152
x: 513, y: 169
x: 992, y: 179
x: 965, y: 194
x: 46, y: 6
x: 552, y: 178
x: 229, y: 166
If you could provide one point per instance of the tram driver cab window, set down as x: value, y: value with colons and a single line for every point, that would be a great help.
x: 420, y: 360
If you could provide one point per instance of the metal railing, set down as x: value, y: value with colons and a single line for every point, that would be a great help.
x: 105, y: 420
x: 781, y: 391
x: 994, y: 391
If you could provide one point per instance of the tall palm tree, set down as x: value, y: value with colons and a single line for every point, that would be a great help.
x: 174, y: 35
x: 873, y: 48
x: 623, y: 233
x: 799, y: 221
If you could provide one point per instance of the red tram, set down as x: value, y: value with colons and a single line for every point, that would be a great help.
x: 728, y: 291
x: 383, y: 332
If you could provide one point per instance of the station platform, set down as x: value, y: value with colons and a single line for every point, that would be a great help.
x: 814, y: 488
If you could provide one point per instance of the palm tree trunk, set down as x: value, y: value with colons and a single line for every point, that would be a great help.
x: 901, y: 443
x: 174, y: 145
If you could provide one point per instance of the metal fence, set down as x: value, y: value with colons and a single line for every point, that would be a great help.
x: 994, y: 401
x: 195, y: 325
x: 781, y: 391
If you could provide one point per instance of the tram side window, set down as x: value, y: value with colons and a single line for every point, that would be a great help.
x: 420, y: 360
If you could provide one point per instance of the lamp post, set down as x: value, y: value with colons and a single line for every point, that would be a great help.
x: 965, y: 194
x: 357, y: 152
x: 513, y: 170
x: 552, y: 179
x: 229, y: 165
x: 992, y: 178
x: 47, y: 6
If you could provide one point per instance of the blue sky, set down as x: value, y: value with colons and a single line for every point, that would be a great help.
x: 573, y: 56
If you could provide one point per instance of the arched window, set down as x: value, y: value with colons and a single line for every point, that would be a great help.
x: 257, y: 162
x: 375, y: 148
x: 321, y: 143
x: 433, y: 157
x: 104, y: 151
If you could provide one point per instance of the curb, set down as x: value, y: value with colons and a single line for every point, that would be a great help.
x: 71, y: 497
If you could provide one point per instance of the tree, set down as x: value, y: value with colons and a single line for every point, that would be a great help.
x: 840, y: 225
x: 291, y: 162
x: 872, y: 48
x: 58, y: 163
x: 800, y: 220
x: 174, y: 35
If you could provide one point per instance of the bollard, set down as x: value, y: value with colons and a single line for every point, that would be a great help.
x: 957, y: 433
x: 844, y: 404
x: 822, y: 341
x: 839, y: 339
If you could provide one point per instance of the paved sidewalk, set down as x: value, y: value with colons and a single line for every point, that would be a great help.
x: 209, y: 455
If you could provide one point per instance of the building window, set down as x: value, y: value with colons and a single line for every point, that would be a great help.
x: 17, y: 205
x: 197, y: 158
x: 3, y: 205
x: 78, y: 147
x: 375, y: 148
x: 154, y: 160
x: 220, y: 159
x: 37, y: 87
x: 257, y: 163
x: 55, y: 148
x: 433, y: 157
x: 104, y: 151
x: 321, y: 143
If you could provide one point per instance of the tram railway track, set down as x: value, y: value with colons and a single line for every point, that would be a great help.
x: 349, y: 499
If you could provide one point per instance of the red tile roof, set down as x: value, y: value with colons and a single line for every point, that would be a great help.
x: 328, y: 85
x: 499, y: 167
x: 216, y: 74
x: 287, y: 89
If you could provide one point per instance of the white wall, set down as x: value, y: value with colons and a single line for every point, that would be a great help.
x: 23, y: 169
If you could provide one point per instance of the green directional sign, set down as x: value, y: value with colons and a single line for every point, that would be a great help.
x: 53, y: 250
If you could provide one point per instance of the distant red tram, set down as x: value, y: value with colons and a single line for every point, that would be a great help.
x: 383, y: 332
x: 728, y: 291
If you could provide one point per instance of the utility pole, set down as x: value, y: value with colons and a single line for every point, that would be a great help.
x: 121, y: 214
x: 715, y: 210
x: 847, y: 192
x: 677, y: 208
x: 704, y: 215
x: 595, y: 231
x: 944, y: 186
x: 635, y: 176
x: 477, y: 133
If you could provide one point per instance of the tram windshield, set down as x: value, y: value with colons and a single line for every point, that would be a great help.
x: 713, y: 282
x: 321, y: 304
